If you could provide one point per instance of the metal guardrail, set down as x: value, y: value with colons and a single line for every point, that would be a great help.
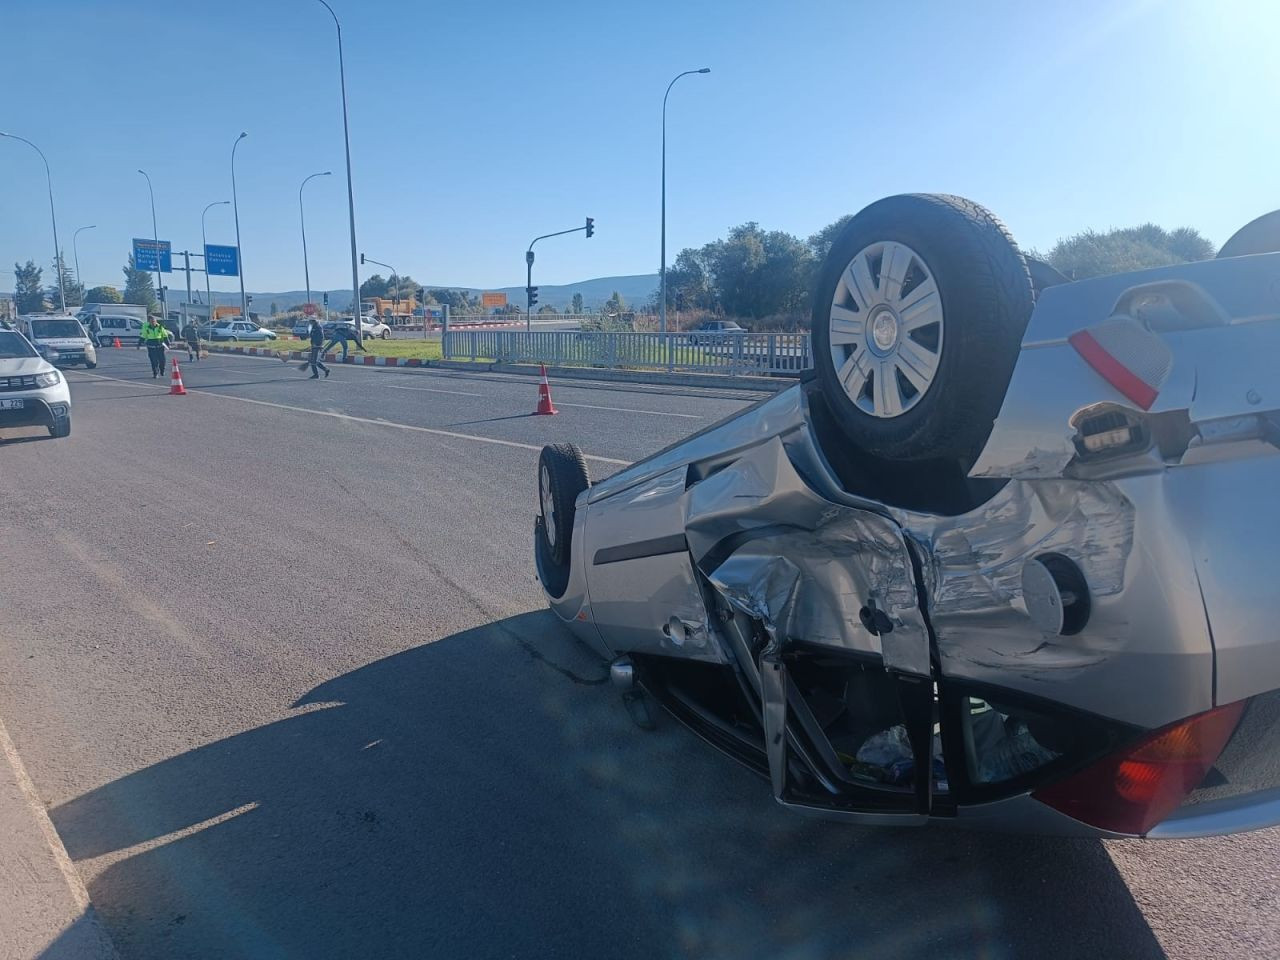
x: 739, y: 354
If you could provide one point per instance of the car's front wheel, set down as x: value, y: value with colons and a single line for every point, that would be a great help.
x: 917, y: 321
x: 562, y: 475
x: 61, y: 427
x: 385, y: 335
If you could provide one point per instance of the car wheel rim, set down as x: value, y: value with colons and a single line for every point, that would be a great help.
x: 548, y: 505
x: 886, y: 329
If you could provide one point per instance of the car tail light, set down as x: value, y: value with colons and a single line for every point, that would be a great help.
x: 1128, y: 356
x: 1133, y: 789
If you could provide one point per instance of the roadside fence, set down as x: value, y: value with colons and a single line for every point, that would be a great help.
x: 738, y: 354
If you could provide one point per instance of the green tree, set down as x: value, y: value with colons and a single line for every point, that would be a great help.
x: 274, y: 309
x: 577, y: 303
x: 103, y: 294
x: 547, y: 308
x: 820, y: 243
x: 615, y: 304
x: 72, y: 290
x: 138, y: 287
x: 376, y: 286
x: 1093, y: 254
x: 28, y: 293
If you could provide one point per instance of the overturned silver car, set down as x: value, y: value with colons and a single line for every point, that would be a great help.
x: 1003, y: 559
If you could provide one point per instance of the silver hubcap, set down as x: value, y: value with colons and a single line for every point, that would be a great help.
x: 548, y: 505
x: 886, y: 329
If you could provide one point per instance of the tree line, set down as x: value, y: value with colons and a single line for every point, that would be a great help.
x: 767, y: 276
x: 757, y: 275
x: 31, y: 295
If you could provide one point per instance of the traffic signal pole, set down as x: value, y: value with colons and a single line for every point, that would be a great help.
x: 530, y: 291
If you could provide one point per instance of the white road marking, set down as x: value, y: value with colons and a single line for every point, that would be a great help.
x: 348, y: 417
x: 655, y: 413
x: 456, y: 393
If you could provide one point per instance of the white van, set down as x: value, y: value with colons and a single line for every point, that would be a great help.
x: 107, y: 327
x: 60, y: 339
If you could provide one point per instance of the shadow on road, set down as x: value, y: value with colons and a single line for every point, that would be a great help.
x: 485, y: 796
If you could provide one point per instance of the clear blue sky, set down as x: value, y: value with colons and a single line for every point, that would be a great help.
x: 478, y: 126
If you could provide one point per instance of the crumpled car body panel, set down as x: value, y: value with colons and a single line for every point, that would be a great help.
x: 750, y: 519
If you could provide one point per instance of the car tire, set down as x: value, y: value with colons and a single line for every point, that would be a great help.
x: 562, y: 475
x: 385, y: 335
x: 61, y: 427
x: 942, y: 328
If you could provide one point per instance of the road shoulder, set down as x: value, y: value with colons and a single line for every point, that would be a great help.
x: 45, y: 910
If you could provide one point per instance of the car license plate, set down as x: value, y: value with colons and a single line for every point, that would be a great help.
x: 12, y: 404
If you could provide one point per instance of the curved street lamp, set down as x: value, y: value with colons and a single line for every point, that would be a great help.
x: 204, y: 240
x: 57, y: 251
x: 76, y: 254
x: 235, y: 206
x: 302, y: 216
x: 662, y: 272
x: 351, y: 202
x: 155, y: 236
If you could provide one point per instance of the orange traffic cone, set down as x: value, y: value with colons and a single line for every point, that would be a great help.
x: 545, y: 405
x: 176, y: 389
x: 117, y: 343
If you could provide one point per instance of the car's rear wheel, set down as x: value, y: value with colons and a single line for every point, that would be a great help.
x: 562, y: 475
x: 61, y: 427
x: 917, y: 321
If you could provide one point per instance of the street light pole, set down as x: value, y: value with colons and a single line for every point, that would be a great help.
x: 351, y: 201
x: 662, y: 272
x: 302, y: 216
x: 235, y: 206
x: 155, y: 236
x: 76, y: 253
x: 57, y: 250
x: 204, y: 246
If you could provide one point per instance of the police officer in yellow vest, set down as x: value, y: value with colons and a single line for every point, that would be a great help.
x: 153, y: 337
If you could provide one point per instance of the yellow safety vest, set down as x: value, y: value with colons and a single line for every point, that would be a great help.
x: 152, y: 331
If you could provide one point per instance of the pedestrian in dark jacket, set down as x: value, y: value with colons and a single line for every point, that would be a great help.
x: 313, y: 360
x: 192, y: 336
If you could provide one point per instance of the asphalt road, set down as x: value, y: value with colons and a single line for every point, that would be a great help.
x: 275, y: 656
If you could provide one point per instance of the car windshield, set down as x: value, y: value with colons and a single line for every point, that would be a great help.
x: 49, y: 329
x: 14, y: 346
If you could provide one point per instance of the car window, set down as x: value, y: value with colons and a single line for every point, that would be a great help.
x: 47, y: 329
x: 14, y: 346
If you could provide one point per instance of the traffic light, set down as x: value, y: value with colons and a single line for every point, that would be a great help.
x: 533, y: 296
x: 362, y: 259
x: 591, y: 226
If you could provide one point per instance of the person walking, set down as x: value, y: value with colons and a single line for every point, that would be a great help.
x: 342, y: 332
x: 192, y: 336
x: 313, y: 360
x: 153, y: 335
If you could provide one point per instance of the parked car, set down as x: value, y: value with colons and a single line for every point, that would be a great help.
x: 1001, y: 563
x: 301, y: 328
x: 32, y: 391
x: 368, y: 328
x: 236, y: 329
x: 110, y: 327
x: 60, y: 339
x: 714, y: 331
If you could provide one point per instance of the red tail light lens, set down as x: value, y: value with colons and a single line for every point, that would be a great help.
x: 1132, y: 790
x: 1128, y: 356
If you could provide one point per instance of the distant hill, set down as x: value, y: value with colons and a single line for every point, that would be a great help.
x: 635, y: 290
